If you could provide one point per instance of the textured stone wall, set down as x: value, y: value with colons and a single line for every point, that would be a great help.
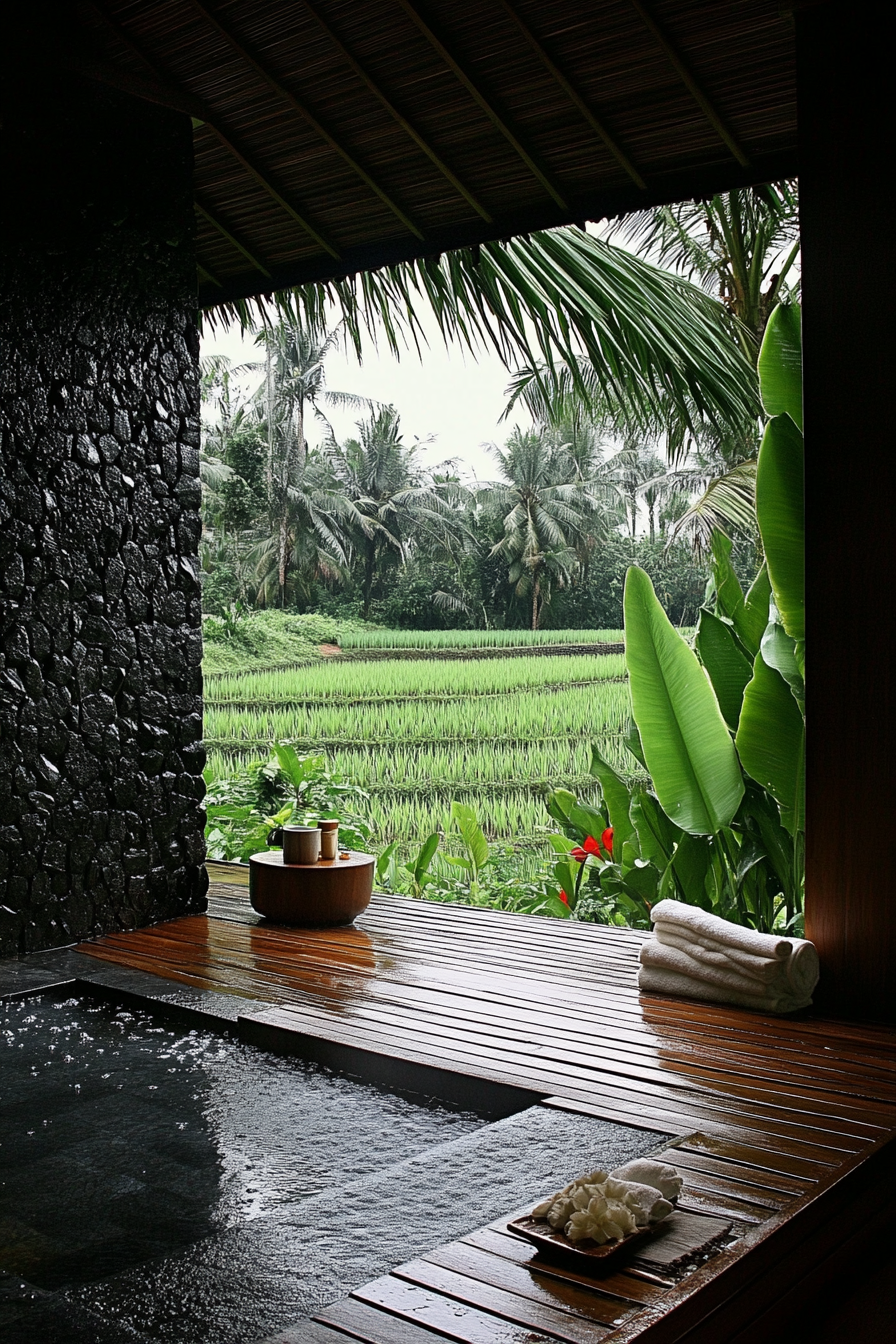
x: 101, y: 820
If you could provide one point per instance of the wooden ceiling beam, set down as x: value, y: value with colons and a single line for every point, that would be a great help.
x: 688, y: 79
x: 140, y: 86
x: 575, y: 97
x: 479, y: 97
x: 303, y: 111
x: 225, y: 233
x: 420, y: 141
x: 201, y: 112
x: 271, y: 189
x: 601, y: 203
x: 204, y: 273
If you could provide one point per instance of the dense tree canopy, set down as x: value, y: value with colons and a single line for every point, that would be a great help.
x: 642, y: 388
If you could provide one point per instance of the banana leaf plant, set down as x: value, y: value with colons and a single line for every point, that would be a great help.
x: 721, y: 726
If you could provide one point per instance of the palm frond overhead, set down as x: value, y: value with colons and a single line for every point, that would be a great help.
x: 213, y: 472
x: 741, y: 246
x: 728, y: 503
x: 554, y: 301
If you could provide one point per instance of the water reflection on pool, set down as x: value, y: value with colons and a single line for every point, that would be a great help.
x: 123, y: 1137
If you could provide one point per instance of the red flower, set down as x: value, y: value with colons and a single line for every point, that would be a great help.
x: 563, y: 897
x: 593, y: 846
x: 579, y: 854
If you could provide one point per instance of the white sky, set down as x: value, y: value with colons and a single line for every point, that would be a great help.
x: 449, y: 394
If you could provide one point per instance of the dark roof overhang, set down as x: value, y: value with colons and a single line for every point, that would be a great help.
x: 333, y: 136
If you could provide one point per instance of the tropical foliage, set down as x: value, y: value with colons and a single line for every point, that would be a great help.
x: 622, y: 364
x: 559, y: 302
x: 694, y: 788
x: 743, y: 248
x: 721, y: 727
x: 243, y: 807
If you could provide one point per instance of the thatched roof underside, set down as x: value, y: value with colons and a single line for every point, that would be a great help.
x: 332, y: 136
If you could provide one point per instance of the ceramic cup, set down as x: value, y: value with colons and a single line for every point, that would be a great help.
x: 301, y: 844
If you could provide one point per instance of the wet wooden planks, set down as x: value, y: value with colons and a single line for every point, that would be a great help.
x: 543, y: 1006
x: 491, y: 1284
x: 770, y: 1113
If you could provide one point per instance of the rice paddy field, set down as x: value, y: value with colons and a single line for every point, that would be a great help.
x: 496, y: 733
x: 438, y: 641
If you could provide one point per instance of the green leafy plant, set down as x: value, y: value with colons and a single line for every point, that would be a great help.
x: 721, y: 726
x: 243, y: 807
x: 686, y: 742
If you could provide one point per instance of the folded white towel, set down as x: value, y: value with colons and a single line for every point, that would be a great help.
x: 699, y: 924
x: 761, y: 969
x: 715, y: 943
x: 665, y: 958
x: 653, y: 980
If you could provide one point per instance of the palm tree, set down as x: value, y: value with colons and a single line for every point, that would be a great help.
x: 640, y: 473
x: 309, y: 537
x: 743, y: 248
x: 400, y: 503
x: 294, y: 378
x: 549, y: 506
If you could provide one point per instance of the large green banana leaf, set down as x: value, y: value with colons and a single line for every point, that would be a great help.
x: 771, y: 742
x: 781, y: 364
x: 753, y: 617
x: 686, y: 742
x: 749, y: 615
x: 780, y: 510
x: 729, y: 671
x: 779, y: 651
x: 729, y: 594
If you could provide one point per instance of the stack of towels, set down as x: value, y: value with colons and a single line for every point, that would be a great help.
x: 703, y: 957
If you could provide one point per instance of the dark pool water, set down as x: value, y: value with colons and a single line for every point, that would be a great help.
x: 167, y: 1186
x: 122, y: 1139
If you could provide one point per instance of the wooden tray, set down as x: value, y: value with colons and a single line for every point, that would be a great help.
x: 542, y: 1235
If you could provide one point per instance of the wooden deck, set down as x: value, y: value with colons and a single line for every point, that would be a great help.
x: 782, y: 1126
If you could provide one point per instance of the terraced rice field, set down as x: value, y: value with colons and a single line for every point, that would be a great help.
x: 495, y: 733
x: 438, y: 641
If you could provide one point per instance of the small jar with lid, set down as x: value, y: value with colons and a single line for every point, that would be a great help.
x: 329, y: 838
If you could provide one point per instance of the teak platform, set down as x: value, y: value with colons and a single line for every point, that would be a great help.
x: 783, y: 1126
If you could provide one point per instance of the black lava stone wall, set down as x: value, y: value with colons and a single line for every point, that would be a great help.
x: 101, y: 820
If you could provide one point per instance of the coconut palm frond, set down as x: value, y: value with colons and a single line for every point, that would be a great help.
x: 451, y: 602
x: 548, y: 300
x: 741, y: 246
x: 728, y: 504
x: 213, y: 472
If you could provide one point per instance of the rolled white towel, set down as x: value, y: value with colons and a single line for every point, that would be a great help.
x: 645, y: 1171
x: 645, y: 1202
x: 761, y: 969
x: 802, y: 967
x: 665, y: 958
x: 654, y: 980
x: 699, y: 924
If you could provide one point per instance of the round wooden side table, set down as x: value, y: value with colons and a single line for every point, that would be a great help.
x: 326, y: 894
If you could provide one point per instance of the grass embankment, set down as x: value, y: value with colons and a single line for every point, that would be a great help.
x: 488, y: 732
x: 262, y: 640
